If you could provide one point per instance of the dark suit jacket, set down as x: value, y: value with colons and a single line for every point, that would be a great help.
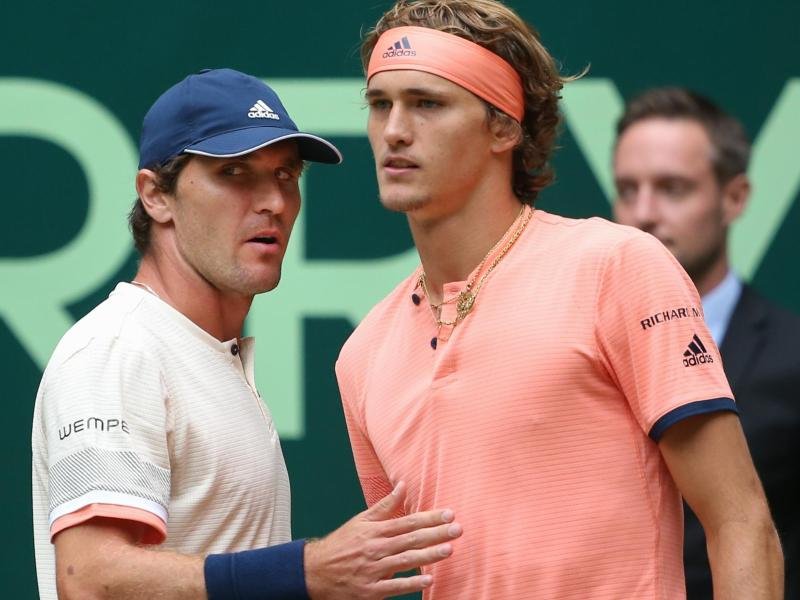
x: 761, y: 356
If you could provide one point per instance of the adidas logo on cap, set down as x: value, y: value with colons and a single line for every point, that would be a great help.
x: 402, y: 47
x: 696, y: 353
x: 260, y: 110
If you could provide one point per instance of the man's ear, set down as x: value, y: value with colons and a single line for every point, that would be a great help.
x: 506, y: 133
x: 734, y: 198
x: 153, y: 199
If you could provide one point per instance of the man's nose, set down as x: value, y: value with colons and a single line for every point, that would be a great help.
x: 269, y: 196
x: 398, y: 130
x: 645, y: 209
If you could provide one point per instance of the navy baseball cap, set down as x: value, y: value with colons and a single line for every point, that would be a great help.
x: 222, y: 113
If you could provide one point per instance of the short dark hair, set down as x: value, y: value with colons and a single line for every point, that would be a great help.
x: 139, y: 221
x: 729, y: 142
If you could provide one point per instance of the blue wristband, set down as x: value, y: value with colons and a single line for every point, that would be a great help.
x: 274, y: 573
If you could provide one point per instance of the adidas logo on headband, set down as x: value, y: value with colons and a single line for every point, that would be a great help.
x: 402, y: 47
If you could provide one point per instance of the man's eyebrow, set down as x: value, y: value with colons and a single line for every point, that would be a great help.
x: 415, y: 91
x: 293, y: 163
x: 423, y: 92
x: 296, y: 164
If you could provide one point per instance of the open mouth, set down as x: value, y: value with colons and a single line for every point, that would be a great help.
x: 400, y: 163
x: 264, y: 240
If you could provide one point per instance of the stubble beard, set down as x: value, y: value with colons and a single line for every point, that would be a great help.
x: 251, y: 285
x: 699, y: 267
x: 226, y: 272
x: 238, y: 279
x: 404, y: 204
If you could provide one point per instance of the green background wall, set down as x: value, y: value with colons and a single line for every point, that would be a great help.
x: 77, y: 77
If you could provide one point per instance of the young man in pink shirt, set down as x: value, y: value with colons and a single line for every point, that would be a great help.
x: 550, y: 379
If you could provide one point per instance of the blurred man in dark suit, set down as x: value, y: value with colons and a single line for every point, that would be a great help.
x: 680, y: 169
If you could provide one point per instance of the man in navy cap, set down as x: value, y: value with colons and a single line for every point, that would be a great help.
x: 157, y: 471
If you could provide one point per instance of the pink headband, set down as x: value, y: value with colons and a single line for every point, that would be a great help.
x: 465, y: 63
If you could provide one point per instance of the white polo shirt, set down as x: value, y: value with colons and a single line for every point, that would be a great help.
x: 142, y: 415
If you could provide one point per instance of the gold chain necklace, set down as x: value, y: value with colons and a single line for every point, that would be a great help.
x: 423, y: 278
x: 465, y: 299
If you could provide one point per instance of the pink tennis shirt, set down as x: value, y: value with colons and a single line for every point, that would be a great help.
x: 537, y: 417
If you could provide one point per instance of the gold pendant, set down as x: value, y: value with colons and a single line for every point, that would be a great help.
x: 465, y: 303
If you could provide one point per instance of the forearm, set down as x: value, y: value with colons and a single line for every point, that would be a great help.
x: 98, y: 561
x: 711, y: 465
x: 131, y: 573
x: 746, y: 560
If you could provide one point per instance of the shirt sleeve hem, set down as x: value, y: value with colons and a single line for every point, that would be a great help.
x: 157, y: 528
x: 692, y: 409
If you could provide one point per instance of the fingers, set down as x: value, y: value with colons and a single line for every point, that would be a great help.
x: 422, y: 538
x: 416, y: 521
x: 360, y: 558
x: 408, y: 560
x: 403, y: 585
x: 406, y: 543
x: 411, y: 559
x: 387, y: 506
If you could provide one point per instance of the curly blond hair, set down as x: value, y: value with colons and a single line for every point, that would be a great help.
x: 499, y: 29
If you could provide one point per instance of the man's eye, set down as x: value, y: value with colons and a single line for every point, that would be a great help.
x: 232, y: 170
x: 426, y: 103
x: 675, y: 188
x: 626, y: 192
x: 379, y: 104
x: 285, y: 175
